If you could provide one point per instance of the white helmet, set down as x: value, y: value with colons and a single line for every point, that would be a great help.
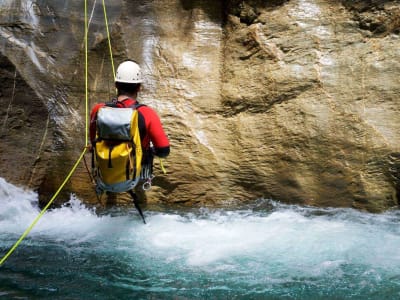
x: 128, y: 72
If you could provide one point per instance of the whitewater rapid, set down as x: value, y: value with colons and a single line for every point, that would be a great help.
x: 267, y: 248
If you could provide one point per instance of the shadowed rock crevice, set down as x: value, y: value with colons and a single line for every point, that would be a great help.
x: 262, y: 103
x: 24, y: 127
x: 212, y: 9
x: 394, y: 171
x: 248, y: 11
x: 380, y: 18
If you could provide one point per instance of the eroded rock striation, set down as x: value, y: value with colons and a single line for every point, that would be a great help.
x: 294, y: 100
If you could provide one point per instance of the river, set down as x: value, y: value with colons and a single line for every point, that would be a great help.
x: 267, y: 250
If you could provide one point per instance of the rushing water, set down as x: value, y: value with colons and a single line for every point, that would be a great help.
x: 267, y: 251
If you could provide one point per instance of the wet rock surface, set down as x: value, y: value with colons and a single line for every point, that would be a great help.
x: 295, y: 100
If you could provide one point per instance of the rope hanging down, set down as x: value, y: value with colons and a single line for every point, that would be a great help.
x: 43, y: 210
x: 109, y: 39
x: 86, y: 139
x: 28, y: 230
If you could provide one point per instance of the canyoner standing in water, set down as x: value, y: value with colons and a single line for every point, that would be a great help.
x: 125, y: 135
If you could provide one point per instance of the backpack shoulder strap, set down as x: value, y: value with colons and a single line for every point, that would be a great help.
x: 121, y: 104
x: 115, y: 103
x: 136, y: 105
x: 112, y: 103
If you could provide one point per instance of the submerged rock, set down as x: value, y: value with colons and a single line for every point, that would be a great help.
x: 295, y: 100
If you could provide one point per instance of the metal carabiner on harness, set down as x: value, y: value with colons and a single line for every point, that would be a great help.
x: 147, y: 184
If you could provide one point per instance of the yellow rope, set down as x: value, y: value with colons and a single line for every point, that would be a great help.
x: 77, y: 162
x: 86, y: 133
x: 109, y: 39
x: 162, y: 166
x: 112, y: 64
x: 86, y: 78
x: 43, y: 210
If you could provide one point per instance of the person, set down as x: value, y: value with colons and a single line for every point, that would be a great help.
x: 154, y: 140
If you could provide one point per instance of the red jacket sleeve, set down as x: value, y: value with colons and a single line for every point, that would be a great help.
x: 93, y: 118
x: 155, y: 132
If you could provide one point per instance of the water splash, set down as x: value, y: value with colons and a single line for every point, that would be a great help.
x: 264, y: 250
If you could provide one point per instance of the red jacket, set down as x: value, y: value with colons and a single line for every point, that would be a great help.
x: 150, y: 127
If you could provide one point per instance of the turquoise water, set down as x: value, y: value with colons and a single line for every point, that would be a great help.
x: 264, y: 251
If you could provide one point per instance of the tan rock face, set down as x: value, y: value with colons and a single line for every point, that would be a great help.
x: 293, y: 100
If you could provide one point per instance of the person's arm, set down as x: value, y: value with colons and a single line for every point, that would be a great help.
x: 93, y: 118
x: 162, y: 152
x: 156, y: 133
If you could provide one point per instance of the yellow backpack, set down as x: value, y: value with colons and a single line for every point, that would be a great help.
x: 117, y: 155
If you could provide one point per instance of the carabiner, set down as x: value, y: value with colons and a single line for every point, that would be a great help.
x: 147, y: 184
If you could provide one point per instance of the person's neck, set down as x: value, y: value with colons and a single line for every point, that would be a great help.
x: 125, y: 96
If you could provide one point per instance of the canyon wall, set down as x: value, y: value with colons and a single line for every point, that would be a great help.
x: 294, y: 100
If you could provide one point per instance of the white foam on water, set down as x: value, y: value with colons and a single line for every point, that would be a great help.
x: 304, y: 245
x: 17, y: 206
x: 301, y: 241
